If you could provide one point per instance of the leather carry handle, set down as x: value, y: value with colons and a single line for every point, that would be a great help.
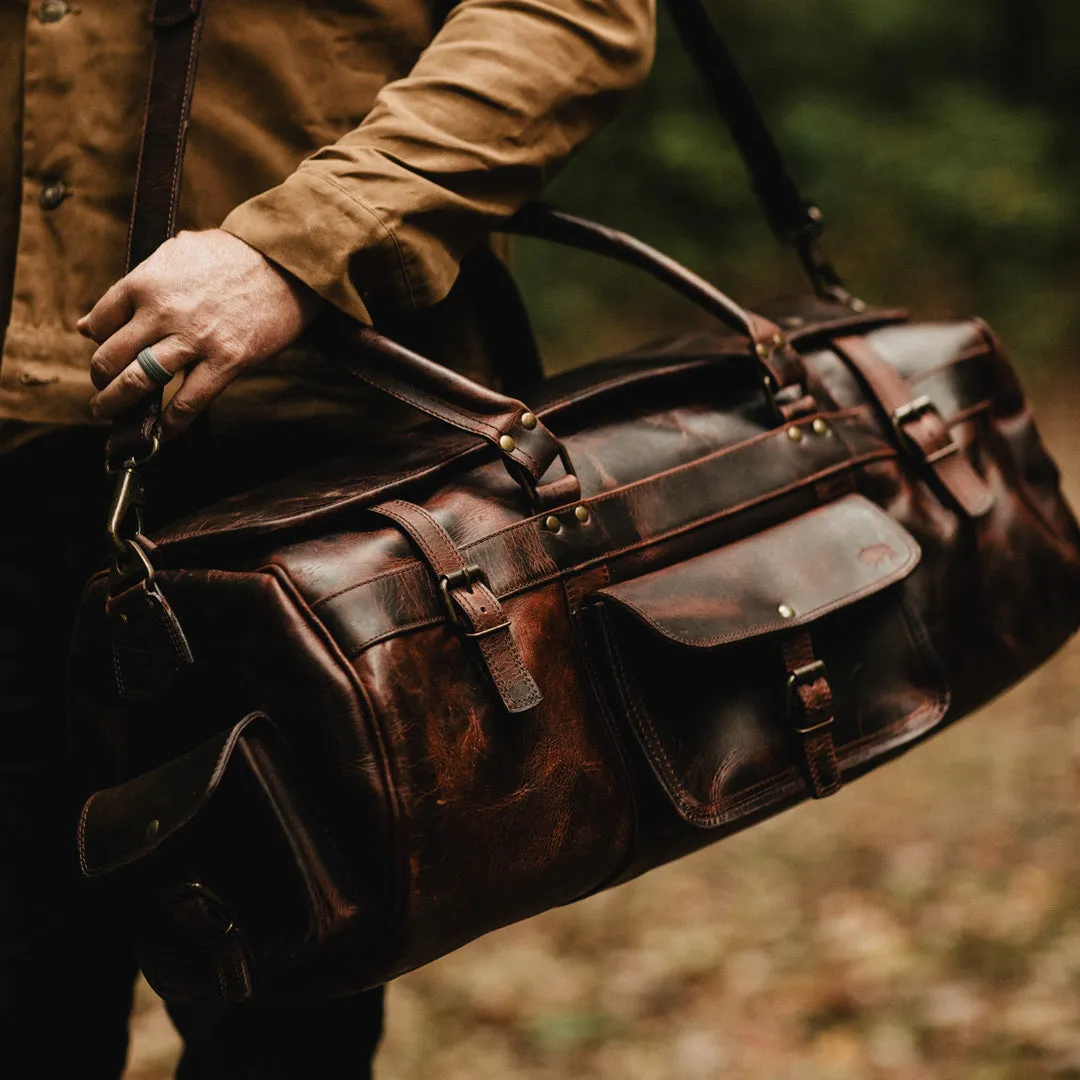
x: 452, y: 398
x: 781, y: 364
x: 527, y: 447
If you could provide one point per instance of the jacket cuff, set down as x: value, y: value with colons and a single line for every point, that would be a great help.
x: 334, y: 243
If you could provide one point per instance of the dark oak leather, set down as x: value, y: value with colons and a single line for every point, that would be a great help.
x: 919, y: 424
x: 729, y: 595
x: 652, y: 630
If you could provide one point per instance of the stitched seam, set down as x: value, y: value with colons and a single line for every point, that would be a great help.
x: 443, y: 415
x: 509, y: 687
x: 83, y: 865
x: 418, y: 624
x: 683, y: 797
x: 795, y: 485
x: 801, y: 620
x: 377, y: 218
x: 561, y: 573
x: 974, y: 352
x: 715, y: 455
x: 178, y: 155
x: 452, y: 416
x: 513, y: 656
x: 402, y: 517
x: 175, y: 636
x: 118, y: 672
x: 410, y: 568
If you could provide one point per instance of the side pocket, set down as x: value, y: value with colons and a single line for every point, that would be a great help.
x: 230, y: 876
x: 772, y: 669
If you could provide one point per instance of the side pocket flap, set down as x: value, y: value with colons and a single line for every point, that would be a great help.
x: 784, y: 577
x: 123, y: 824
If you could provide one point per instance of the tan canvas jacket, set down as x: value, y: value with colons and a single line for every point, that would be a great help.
x: 336, y: 136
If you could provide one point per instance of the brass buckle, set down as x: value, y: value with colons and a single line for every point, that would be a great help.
x: 463, y: 578
x: 911, y: 411
x: 801, y: 676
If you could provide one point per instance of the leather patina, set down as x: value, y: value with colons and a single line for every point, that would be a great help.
x: 741, y: 568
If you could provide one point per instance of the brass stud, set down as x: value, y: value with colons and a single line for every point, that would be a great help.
x: 552, y: 523
x: 786, y: 611
x: 820, y: 427
x: 762, y: 350
x: 528, y: 420
x: 581, y: 513
x: 153, y: 829
x: 794, y: 433
x: 778, y: 340
x: 507, y: 443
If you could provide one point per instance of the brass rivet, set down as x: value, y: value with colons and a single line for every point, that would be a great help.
x: 528, y: 420
x: 762, y: 351
x: 820, y: 427
x: 778, y: 340
x: 53, y: 10
x: 153, y: 829
x: 507, y: 443
x: 53, y: 194
x: 581, y: 513
x: 794, y: 433
x: 786, y: 611
x: 552, y: 524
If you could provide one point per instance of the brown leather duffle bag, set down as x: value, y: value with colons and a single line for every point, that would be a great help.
x: 360, y: 717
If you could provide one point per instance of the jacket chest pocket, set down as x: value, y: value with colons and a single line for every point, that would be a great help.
x: 776, y: 667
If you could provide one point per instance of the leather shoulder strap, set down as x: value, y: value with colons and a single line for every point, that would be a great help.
x: 177, y: 31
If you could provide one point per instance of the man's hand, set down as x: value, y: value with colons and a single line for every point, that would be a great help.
x: 204, y: 301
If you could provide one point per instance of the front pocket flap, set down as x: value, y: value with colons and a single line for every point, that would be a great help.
x: 784, y: 577
x: 123, y: 824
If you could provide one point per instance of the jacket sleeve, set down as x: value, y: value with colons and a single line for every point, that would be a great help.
x: 506, y: 91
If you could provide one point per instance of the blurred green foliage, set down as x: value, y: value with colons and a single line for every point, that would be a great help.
x: 938, y: 138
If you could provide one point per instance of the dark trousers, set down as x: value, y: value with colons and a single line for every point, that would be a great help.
x: 66, y: 966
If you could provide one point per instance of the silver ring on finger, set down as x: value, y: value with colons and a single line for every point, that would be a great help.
x: 158, y: 375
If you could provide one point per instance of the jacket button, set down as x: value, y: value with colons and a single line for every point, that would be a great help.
x: 53, y: 194
x: 52, y: 10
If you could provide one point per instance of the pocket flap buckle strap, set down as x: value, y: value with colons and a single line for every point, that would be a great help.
x: 123, y: 824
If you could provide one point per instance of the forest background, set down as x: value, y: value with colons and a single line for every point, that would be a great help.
x: 939, y: 139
